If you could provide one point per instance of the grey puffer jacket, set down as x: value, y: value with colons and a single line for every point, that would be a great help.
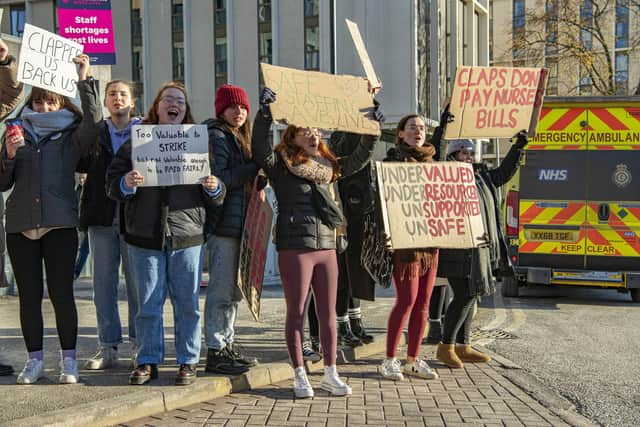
x: 299, y: 225
x: 235, y: 171
x: 42, y: 172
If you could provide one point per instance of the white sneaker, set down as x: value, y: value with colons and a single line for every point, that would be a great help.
x: 390, y: 369
x: 106, y: 357
x: 332, y: 382
x: 419, y: 368
x: 32, y: 372
x: 309, y: 354
x: 301, y: 386
x: 69, y: 371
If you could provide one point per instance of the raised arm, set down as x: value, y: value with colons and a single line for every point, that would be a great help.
x: 87, y: 133
x: 261, y: 145
x: 508, y: 167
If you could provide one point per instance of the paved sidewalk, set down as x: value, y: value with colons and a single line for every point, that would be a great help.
x: 477, y: 395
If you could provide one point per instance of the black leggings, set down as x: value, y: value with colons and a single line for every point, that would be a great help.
x: 457, y: 320
x: 437, y: 302
x: 58, y: 250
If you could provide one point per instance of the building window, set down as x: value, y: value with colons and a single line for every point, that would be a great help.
x: 622, y: 23
x: 220, y: 42
x: 18, y: 17
x: 264, y: 32
x: 586, y: 22
x: 519, y: 21
x: 491, y: 32
x: 177, y: 38
x: 311, y: 35
x: 137, y: 63
x: 622, y: 73
x: 584, y: 85
x: 551, y: 28
x: 552, y: 81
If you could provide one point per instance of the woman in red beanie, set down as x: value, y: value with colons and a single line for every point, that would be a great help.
x: 230, y: 142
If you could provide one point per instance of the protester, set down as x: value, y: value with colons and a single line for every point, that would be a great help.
x: 437, y: 306
x: 39, y: 163
x: 11, y: 92
x: 164, y: 230
x: 102, y: 217
x: 472, y: 272
x: 414, y: 270
x: 230, y: 142
x: 301, y: 170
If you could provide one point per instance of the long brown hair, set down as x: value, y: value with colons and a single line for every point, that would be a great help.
x: 297, y: 155
x: 242, y: 134
x: 39, y: 94
x: 152, y: 114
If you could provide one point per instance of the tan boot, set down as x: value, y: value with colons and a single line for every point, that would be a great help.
x: 447, y: 355
x: 466, y: 353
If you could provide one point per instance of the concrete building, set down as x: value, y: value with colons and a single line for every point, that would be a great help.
x: 617, y: 21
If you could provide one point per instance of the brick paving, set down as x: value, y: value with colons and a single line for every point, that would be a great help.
x: 478, y: 395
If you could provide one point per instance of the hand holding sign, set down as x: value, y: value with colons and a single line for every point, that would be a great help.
x: 521, y: 139
x: 210, y: 183
x: 84, y: 65
x: 133, y: 179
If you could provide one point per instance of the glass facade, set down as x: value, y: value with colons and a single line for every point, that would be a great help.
x: 137, y: 62
x: 519, y: 21
x: 311, y: 35
x: 220, y: 41
x: 177, y: 38
x: 265, y: 44
x: 18, y: 18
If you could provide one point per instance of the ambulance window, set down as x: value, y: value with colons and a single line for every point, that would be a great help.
x: 615, y: 175
x: 553, y: 175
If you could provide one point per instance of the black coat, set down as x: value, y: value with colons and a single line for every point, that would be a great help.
x: 235, y: 171
x: 299, y: 225
x: 153, y: 213
x: 469, y: 263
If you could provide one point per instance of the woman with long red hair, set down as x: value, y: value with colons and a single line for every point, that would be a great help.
x: 301, y: 170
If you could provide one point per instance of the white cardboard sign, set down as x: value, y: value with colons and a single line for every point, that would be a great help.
x: 427, y: 205
x: 170, y: 154
x: 46, y: 61
x: 362, y: 51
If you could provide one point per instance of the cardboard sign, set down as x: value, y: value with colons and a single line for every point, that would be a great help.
x: 89, y: 23
x: 253, y: 250
x: 321, y: 100
x: 430, y: 204
x: 495, y: 102
x: 362, y: 51
x: 46, y: 61
x: 170, y: 154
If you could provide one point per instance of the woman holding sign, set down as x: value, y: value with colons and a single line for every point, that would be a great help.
x: 164, y: 229
x: 38, y: 160
x: 301, y: 170
x: 414, y: 270
x: 472, y: 272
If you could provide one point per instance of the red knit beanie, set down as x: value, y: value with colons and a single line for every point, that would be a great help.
x: 227, y: 95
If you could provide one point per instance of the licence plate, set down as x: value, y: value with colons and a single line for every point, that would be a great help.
x: 598, y: 276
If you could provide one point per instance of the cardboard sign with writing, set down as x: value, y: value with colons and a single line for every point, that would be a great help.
x: 89, y: 23
x: 170, y: 154
x: 321, y: 100
x: 430, y: 204
x: 495, y: 102
x: 46, y: 61
x: 253, y: 250
x: 362, y: 51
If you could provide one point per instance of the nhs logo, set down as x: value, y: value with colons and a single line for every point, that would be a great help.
x: 553, y: 175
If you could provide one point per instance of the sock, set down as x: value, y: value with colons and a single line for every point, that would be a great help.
x: 299, y: 371
x: 355, y: 313
x: 69, y: 353
x: 343, y: 319
x: 36, y: 355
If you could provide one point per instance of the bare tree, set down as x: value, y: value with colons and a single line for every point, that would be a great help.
x: 582, y: 34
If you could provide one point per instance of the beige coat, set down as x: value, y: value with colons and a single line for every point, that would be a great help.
x: 11, y: 91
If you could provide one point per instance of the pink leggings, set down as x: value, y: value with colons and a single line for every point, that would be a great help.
x: 298, y: 270
x: 412, y: 298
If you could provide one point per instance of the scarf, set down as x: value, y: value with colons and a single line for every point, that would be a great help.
x: 41, y: 125
x: 318, y: 171
x: 414, y: 262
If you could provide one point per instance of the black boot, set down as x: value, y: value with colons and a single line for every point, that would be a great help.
x: 434, y: 336
x: 315, y: 344
x: 346, y: 338
x: 358, y: 330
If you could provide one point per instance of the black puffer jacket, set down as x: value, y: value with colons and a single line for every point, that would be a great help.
x: 299, y: 225
x: 235, y: 171
x: 469, y: 263
x: 154, y: 213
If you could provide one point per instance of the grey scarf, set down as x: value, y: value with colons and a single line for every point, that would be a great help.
x: 41, y: 125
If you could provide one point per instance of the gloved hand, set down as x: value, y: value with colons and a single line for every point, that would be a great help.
x: 521, y: 139
x: 446, y: 117
x: 267, y: 96
x: 377, y: 113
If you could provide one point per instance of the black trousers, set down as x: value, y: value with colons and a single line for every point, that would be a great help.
x: 58, y: 250
x: 457, y: 320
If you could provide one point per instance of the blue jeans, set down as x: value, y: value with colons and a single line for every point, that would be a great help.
x: 156, y: 273
x: 223, y: 293
x: 83, y: 253
x: 108, y: 248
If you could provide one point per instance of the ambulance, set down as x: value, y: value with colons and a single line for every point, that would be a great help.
x: 573, y: 209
